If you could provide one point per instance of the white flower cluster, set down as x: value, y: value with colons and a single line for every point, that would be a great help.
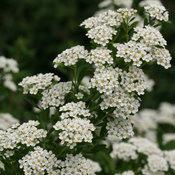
x: 106, y: 80
x: 7, y: 67
x: 145, y: 121
x: 120, y: 3
x: 101, y: 34
x: 73, y: 131
x: 170, y: 157
x: 70, y: 56
x: 136, y: 81
x: 124, y: 103
x: 162, y: 56
x: 119, y: 129
x: 9, y: 83
x: 74, y: 110
x: 145, y: 146
x: 144, y: 46
x: 133, y: 51
x: 100, y: 56
x: 124, y: 151
x: 54, y: 96
x: 27, y: 134
x: 7, y: 120
x: 168, y: 137
x: 149, y: 35
x: 39, y: 161
x: 78, y: 165
x: 155, y: 10
x: 74, y: 126
x: 101, y: 27
x: 157, y: 162
x: 37, y: 82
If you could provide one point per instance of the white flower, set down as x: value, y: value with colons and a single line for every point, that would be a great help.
x: 119, y: 128
x: 79, y: 95
x: 78, y: 165
x: 101, y: 34
x: 74, y: 110
x: 149, y: 36
x: 55, y: 95
x: 124, y: 151
x: 106, y: 79
x: 7, y: 120
x: 37, y: 82
x: 70, y: 56
x: 135, y: 80
x: 8, y: 65
x: 100, y: 56
x: 157, y: 163
x: 73, y: 131
x: 39, y: 161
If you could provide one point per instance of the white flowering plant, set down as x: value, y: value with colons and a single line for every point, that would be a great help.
x: 93, y: 106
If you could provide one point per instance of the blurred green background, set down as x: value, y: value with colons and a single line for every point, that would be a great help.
x: 35, y: 31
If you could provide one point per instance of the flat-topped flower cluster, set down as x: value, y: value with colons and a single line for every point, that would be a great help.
x: 143, y: 153
x: 8, y: 67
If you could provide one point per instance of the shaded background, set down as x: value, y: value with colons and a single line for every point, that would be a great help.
x: 35, y: 31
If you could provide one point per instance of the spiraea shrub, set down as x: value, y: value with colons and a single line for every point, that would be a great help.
x: 85, y: 121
